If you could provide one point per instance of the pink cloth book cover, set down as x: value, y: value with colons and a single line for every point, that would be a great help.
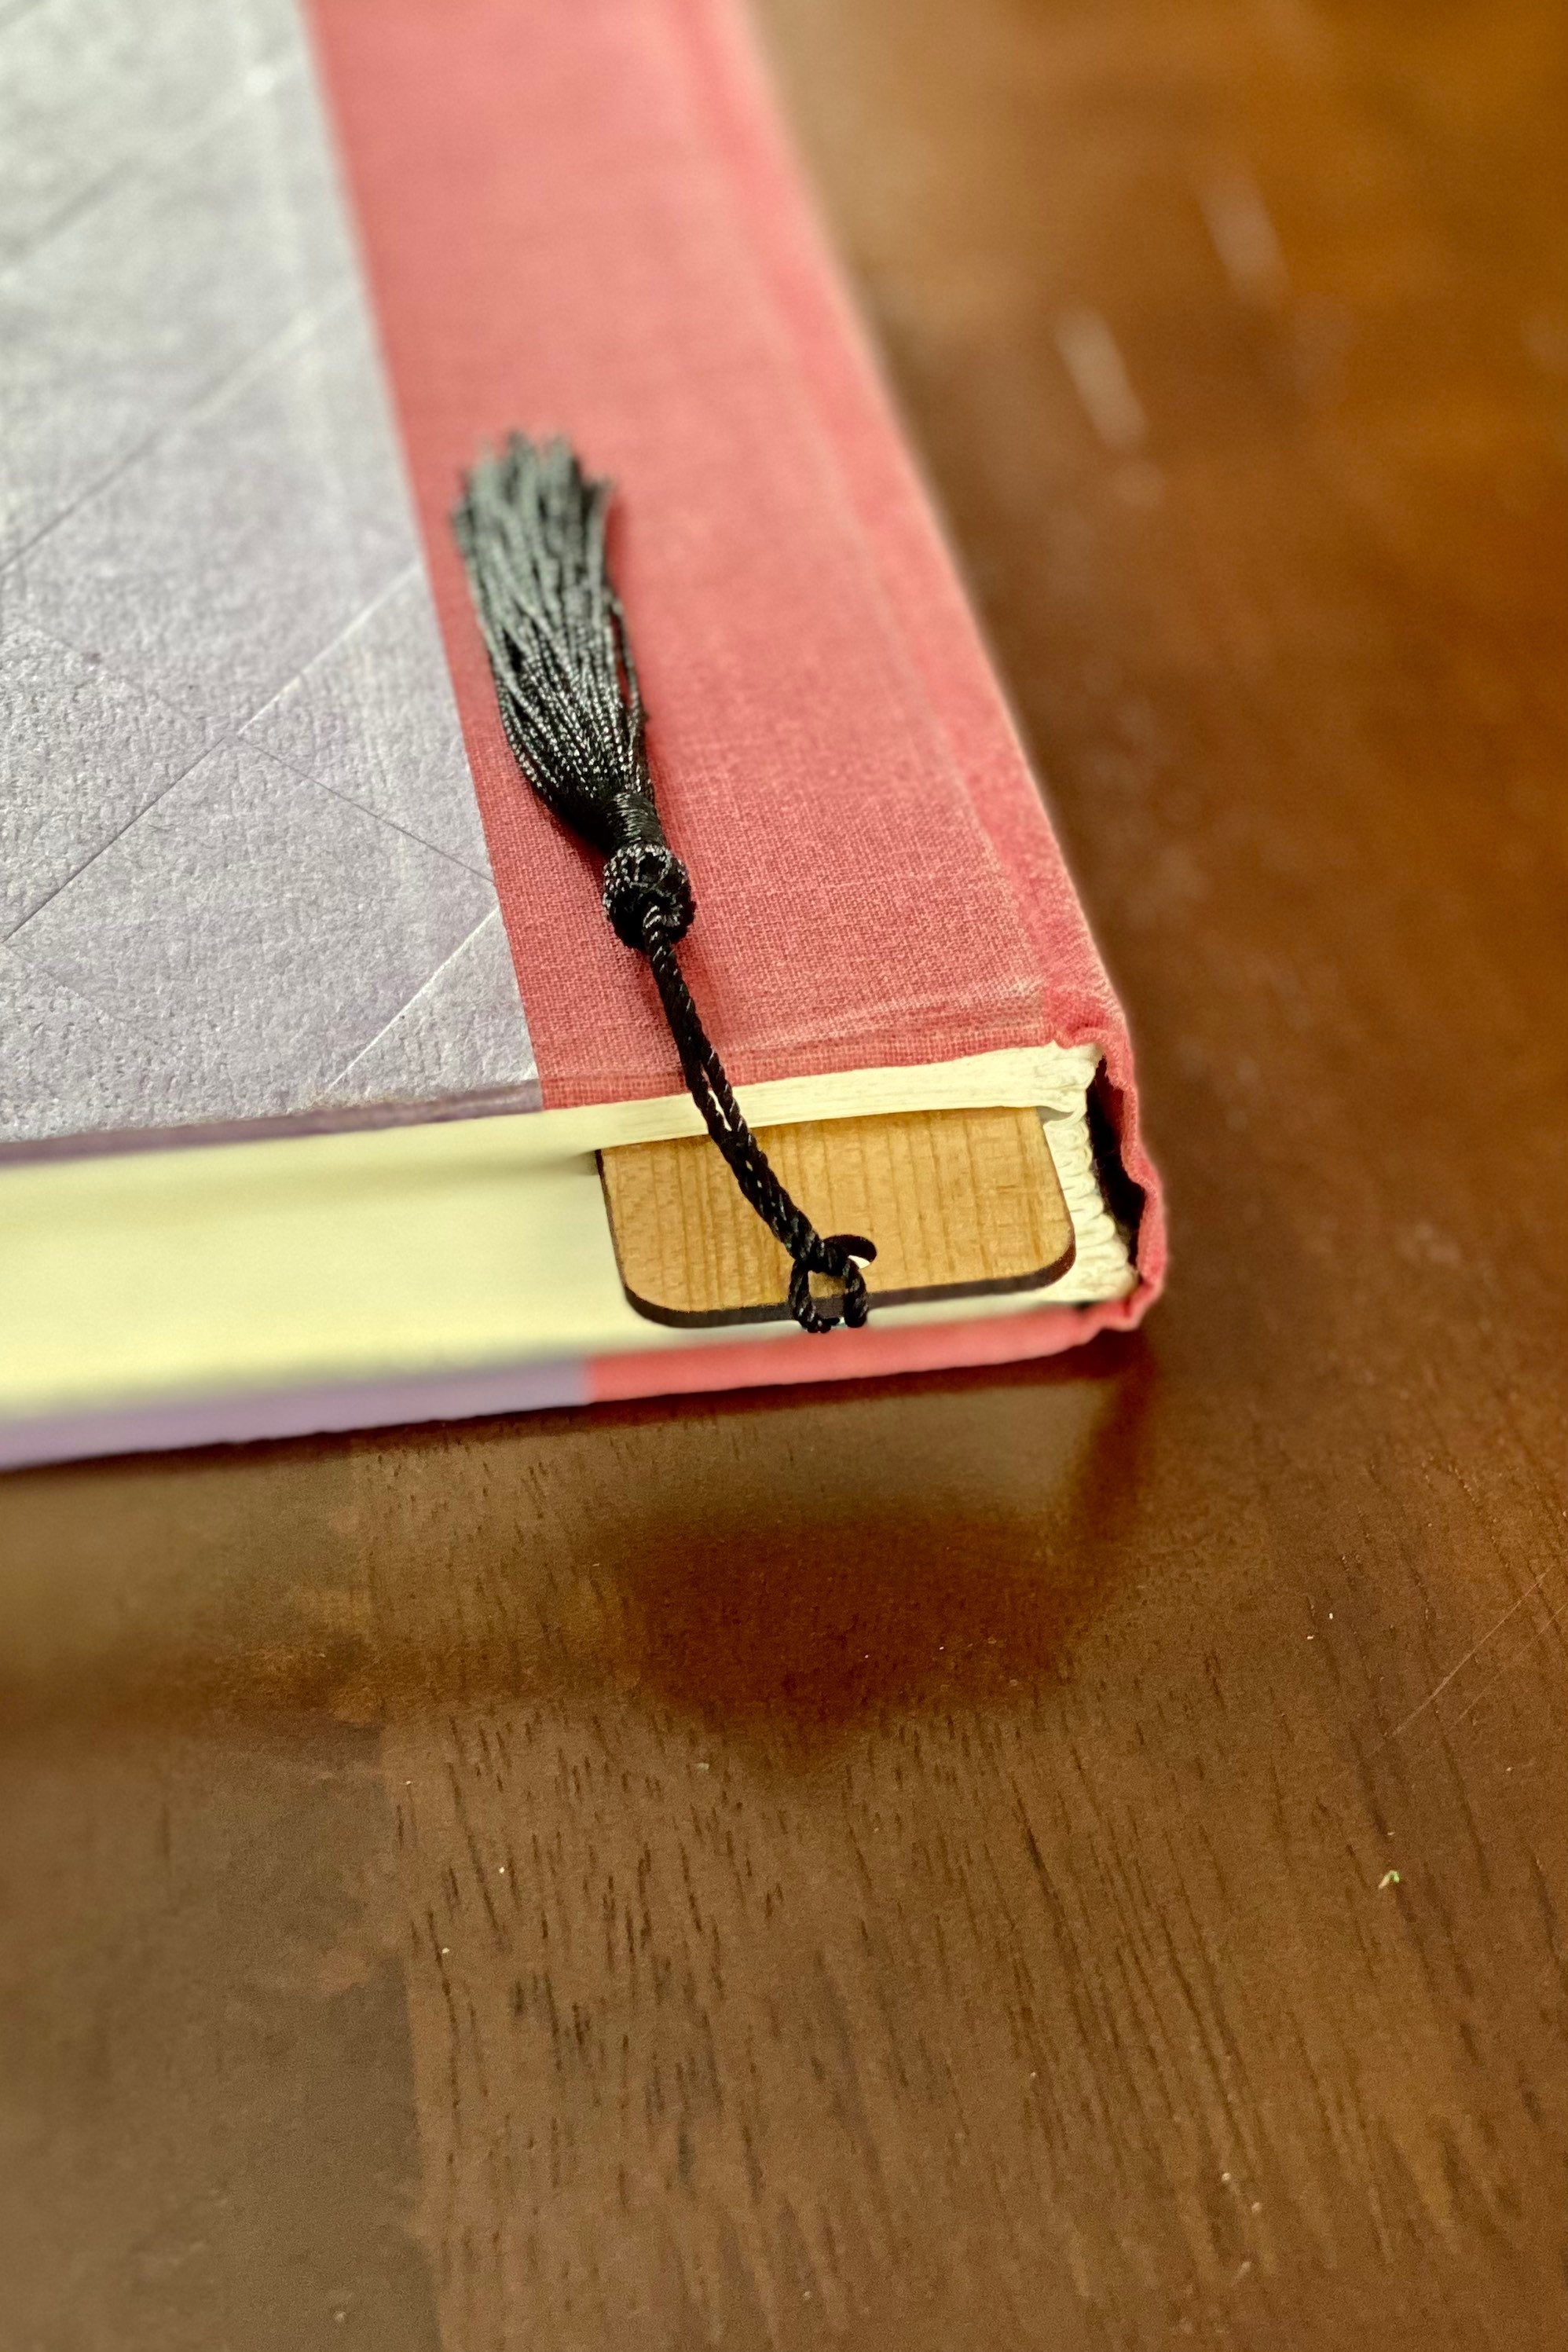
x: 270, y: 865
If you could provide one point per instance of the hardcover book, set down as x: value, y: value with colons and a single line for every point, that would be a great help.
x: 326, y: 1096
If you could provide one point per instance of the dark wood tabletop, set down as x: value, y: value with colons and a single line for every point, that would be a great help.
x: 1061, y: 1860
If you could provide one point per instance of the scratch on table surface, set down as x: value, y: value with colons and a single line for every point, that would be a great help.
x: 1553, y: 1620
x: 1473, y: 1652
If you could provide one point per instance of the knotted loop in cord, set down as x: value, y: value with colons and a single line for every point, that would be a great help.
x: 531, y: 529
x: 837, y: 1257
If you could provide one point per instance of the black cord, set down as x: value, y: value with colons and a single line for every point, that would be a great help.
x: 833, y: 1255
x: 648, y: 902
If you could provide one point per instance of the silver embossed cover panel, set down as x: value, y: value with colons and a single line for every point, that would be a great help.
x: 242, y: 876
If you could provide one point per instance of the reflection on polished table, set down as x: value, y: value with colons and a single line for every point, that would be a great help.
x: 1071, y: 1859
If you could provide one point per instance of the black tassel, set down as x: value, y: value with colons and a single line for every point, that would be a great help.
x: 531, y: 528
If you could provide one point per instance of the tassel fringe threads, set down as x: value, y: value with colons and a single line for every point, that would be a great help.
x: 531, y: 529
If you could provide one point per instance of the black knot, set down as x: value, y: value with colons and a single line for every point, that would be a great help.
x: 837, y: 1255
x: 644, y: 878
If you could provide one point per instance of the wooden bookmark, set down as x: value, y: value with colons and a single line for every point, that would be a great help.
x: 962, y: 1202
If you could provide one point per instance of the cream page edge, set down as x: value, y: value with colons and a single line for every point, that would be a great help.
x: 359, y: 1255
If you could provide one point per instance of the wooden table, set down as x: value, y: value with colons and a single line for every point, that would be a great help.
x: 1076, y: 1858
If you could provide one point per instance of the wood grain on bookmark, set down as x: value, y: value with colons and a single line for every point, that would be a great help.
x: 962, y: 1202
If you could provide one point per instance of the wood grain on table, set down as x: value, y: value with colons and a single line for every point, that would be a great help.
x: 1068, y: 1860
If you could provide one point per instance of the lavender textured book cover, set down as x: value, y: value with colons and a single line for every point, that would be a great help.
x: 243, y: 877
